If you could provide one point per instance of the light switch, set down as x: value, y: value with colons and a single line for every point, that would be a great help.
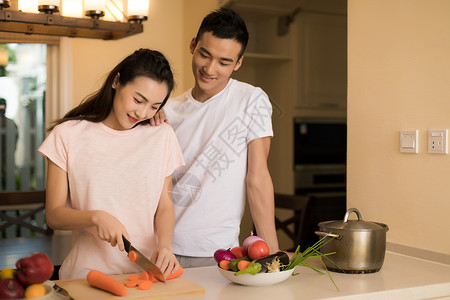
x: 409, y: 141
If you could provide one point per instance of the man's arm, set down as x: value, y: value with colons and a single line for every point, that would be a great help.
x: 260, y: 192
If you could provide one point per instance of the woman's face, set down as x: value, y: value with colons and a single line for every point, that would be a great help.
x: 135, y: 102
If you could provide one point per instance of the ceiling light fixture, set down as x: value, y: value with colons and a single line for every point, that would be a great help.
x: 64, y: 17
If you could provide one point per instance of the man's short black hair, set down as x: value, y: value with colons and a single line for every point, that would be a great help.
x: 225, y: 23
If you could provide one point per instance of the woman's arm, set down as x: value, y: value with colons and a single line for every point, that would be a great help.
x: 260, y: 192
x: 164, y: 226
x: 58, y: 216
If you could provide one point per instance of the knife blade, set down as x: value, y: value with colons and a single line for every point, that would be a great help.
x: 62, y: 292
x: 143, y: 261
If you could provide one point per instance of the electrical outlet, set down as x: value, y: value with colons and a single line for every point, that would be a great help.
x: 438, y: 141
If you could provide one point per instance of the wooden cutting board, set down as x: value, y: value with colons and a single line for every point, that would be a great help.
x: 79, y: 289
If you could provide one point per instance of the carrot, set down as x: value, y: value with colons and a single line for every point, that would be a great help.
x: 176, y: 274
x: 105, y: 282
x: 151, y: 277
x: 144, y: 276
x: 243, y: 264
x: 130, y: 283
x: 144, y: 284
x: 132, y: 256
x: 133, y: 277
x: 224, y: 264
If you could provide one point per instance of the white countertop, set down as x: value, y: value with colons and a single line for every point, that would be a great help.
x: 401, y: 277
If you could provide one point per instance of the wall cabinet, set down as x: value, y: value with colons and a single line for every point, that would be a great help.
x: 301, y: 66
x: 322, y: 61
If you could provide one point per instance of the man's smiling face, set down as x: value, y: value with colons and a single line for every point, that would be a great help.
x: 213, y: 61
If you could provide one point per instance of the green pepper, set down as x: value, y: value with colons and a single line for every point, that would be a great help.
x: 253, y: 268
x: 234, y: 263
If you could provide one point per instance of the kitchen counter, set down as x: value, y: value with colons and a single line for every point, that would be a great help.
x: 401, y: 277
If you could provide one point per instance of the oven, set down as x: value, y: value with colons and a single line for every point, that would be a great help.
x: 320, y: 154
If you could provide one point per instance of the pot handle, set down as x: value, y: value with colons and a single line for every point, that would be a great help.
x: 349, y: 211
x: 333, y: 235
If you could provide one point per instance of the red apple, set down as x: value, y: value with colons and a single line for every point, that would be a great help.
x: 239, y: 252
x: 35, y: 268
x: 10, y: 289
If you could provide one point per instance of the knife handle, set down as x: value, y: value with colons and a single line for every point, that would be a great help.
x: 126, y: 243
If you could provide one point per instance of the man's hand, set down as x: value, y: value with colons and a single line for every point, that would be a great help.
x: 158, y: 118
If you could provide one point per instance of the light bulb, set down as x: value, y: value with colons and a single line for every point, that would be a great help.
x: 29, y: 6
x: 72, y: 8
x: 95, y: 5
x: 48, y: 2
x: 138, y: 8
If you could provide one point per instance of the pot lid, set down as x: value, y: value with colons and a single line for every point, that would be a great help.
x: 347, y: 224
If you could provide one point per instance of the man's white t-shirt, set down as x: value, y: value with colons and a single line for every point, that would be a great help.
x: 120, y: 172
x: 209, y: 191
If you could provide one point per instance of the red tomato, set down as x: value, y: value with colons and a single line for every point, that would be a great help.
x: 239, y: 252
x: 258, y: 249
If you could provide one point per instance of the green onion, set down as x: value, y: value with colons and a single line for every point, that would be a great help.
x: 312, y: 251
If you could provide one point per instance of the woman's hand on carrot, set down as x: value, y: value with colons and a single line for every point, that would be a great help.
x: 109, y: 228
x: 165, y: 260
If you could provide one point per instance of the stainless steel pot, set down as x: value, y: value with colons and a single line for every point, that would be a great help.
x: 360, y: 245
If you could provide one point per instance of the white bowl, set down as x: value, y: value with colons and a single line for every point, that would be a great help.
x: 48, y: 292
x: 259, y: 279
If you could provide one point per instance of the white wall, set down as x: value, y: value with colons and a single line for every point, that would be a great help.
x: 398, y: 79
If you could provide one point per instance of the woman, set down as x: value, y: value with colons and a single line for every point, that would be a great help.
x: 109, y: 172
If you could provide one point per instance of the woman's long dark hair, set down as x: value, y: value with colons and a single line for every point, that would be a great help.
x: 143, y: 62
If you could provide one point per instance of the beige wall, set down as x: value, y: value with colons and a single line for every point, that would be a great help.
x: 194, y: 12
x: 171, y: 25
x: 398, y: 79
x: 398, y: 72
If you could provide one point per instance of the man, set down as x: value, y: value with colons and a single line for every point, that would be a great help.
x: 224, y: 129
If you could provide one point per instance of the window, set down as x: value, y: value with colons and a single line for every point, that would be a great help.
x: 41, y: 92
x: 22, y: 111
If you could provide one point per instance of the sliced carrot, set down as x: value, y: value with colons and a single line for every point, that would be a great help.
x: 243, y: 264
x: 177, y: 274
x: 144, y: 285
x: 224, y: 264
x: 151, y: 277
x: 105, y: 282
x: 132, y: 256
x: 133, y: 277
x: 131, y: 283
x: 144, y: 276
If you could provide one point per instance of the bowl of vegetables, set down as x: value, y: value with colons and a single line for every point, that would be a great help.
x: 252, y: 265
x: 259, y: 279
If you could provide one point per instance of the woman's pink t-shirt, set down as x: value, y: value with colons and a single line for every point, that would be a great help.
x: 120, y: 172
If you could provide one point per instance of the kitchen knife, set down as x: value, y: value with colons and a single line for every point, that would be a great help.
x: 62, y: 292
x: 144, y: 262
